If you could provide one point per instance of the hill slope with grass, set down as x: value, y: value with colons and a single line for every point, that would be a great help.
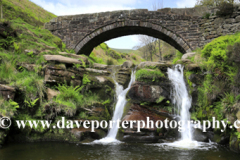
x: 25, y: 10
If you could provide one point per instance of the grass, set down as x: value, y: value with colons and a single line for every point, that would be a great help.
x: 145, y: 75
x: 27, y: 11
x: 71, y: 98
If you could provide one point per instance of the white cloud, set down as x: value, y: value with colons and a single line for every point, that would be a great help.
x: 186, y: 3
x: 71, y: 7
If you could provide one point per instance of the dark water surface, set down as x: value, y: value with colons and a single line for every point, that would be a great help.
x: 124, y: 151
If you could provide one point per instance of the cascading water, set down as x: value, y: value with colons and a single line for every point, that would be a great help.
x: 181, y: 99
x: 117, y: 115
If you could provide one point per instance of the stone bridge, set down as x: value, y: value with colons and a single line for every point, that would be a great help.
x: 183, y: 31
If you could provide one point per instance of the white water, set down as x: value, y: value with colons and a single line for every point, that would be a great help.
x: 117, y: 115
x: 182, y: 101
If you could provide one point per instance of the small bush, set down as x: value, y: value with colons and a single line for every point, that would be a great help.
x: 206, y: 15
x: 110, y: 62
x: 225, y: 9
x: 145, y: 74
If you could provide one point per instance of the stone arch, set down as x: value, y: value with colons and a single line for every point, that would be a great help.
x: 123, y: 28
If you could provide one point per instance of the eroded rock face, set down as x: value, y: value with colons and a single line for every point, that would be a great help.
x: 124, y: 76
x: 147, y: 134
x: 7, y: 92
x: 141, y: 92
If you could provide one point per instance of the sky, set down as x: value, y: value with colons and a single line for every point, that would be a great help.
x: 72, y: 7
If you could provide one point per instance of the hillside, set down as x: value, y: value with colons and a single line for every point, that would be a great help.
x: 168, y: 52
x: 25, y: 10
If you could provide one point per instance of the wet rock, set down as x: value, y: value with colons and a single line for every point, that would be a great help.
x: 51, y: 93
x: 196, y: 78
x: 141, y: 92
x: 127, y: 64
x: 200, y: 136
x: 7, y: 92
x: 234, y: 143
x: 147, y: 134
x: 188, y: 55
x: 84, y: 133
x: 124, y: 76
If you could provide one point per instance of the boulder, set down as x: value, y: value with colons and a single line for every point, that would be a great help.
x: 61, y: 59
x: 234, y: 143
x: 85, y: 59
x: 140, y: 92
x: 188, y: 55
x: 84, y: 133
x: 200, y: 136
x: 7, y: 92
x: 127, y: 64
x: 51, y: 93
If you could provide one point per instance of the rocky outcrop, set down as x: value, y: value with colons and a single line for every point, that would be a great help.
x: 162, y: 66
x: 79, y: 57
x: 123, y: 76
x: 141, y: 92
x: 7, y: 92
x: 148, y: 133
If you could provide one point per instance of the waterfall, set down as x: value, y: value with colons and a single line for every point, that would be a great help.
x: 117, y: 115
x: 181, y: 99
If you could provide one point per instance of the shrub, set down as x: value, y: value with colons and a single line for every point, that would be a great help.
x: 110, y: 62
x: 225, y: 9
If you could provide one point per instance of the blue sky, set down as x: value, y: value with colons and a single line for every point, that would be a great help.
x: 71, y: 7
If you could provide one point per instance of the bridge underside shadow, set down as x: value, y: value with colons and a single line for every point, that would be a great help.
x: 86, y: 45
